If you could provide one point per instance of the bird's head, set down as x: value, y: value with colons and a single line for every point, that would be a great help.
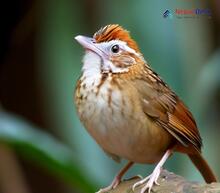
x: 112, y: 48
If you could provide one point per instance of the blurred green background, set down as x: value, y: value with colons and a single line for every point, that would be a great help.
x: 43, y: 146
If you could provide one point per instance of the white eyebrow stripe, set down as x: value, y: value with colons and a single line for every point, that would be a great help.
x: 122, y: 44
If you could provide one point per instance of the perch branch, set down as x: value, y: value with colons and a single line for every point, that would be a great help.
x: 170, y: 183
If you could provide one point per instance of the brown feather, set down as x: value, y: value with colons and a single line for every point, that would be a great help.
x: 182, y: 121
x: 115, y: 32
x: 167, y: 110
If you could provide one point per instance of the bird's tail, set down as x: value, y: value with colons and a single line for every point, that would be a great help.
x: 203, y: 167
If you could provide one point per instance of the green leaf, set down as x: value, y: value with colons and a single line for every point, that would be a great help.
x: 42, y: 148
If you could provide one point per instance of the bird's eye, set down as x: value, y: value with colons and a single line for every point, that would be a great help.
x: 115, y: 48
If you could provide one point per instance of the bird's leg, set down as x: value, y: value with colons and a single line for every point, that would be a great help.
x: 117, y: 178
x: 152, y: 178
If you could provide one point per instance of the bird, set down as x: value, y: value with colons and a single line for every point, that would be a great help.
x: 130, y: 111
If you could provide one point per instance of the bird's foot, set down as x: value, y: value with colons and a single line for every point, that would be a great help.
x: 117, y: 178
x: 152, y: 179
x: 149, y: 180
x: 113, y: 185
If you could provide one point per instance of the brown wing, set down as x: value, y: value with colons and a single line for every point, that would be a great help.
x: 168, y: 111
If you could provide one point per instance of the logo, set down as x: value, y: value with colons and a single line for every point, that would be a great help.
x: 193, y: 13
x: 188, y: 13
x: 167, y: 14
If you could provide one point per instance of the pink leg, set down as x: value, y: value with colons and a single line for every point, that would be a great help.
x: 117, y: 178
x: 152, y: 179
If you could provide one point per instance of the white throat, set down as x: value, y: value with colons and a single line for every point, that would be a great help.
x: 91, y: 69
x: 93, y: 64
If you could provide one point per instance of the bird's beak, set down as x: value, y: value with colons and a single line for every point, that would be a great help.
x: 89, y: 44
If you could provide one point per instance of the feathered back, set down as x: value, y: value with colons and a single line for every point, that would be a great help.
x: 115, y: 32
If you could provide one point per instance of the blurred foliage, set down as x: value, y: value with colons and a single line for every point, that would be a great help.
x: 40, y: 147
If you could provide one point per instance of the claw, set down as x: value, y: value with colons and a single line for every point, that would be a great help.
x: 117, y: 179
x: 149, y: 180
x: 140, y: 182
x: 113, y: 185
x: 153, y: 178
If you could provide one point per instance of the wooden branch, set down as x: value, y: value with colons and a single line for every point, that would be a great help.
x: 169, y: 183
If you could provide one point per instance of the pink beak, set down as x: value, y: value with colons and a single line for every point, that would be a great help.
x: 89, y: 44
